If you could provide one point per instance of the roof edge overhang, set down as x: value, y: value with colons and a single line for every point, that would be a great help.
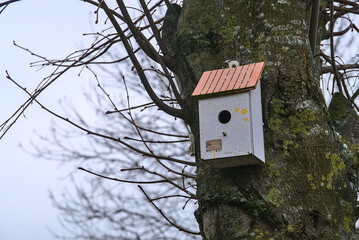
x: 229, y: 92
x: 229, y: 80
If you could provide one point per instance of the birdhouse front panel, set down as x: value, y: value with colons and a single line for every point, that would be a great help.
x: 230, y: 116
x: 222, y: 123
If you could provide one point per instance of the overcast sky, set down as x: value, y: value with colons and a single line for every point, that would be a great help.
x: 54, y: 29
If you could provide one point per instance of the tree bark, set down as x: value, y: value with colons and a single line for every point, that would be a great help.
x: 307, y: 187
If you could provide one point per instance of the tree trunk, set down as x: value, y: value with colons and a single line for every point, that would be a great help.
x: 307, y: 187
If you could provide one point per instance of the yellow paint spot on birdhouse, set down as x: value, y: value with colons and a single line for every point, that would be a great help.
x: 236, y: 109
x: 245, y: 119
x: 244, y: 111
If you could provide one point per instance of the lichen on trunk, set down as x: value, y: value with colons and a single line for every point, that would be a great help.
x: 306, y: 189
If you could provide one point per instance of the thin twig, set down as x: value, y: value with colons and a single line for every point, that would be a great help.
x: 183, y: 189
x: 6, y: 4
x: 327, y: 69
x: 155, y: 30
x: 164, y: 216
x: 313, y: 29
x: 331, y: 30
x: 138, y: 106
x: 147, y: 46
x: 139, y: 132
x: 121, y: 180
x: 169, y: 110
x: 89, y: 132
x: 155, y: 141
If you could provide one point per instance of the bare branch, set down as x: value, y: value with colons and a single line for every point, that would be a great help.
x: 89, y: 132
x: 8, y: 2
x: 5, y: 4
x: 329, y: 69
x: 313, y: 28
x: 170, y: 196
x: 144, y: 106
x: 100, y: 6
x: 121, y: 180
x: 169, y: 110
x: 140, y: 38
x: 331, y: 30
x: 173, y: 183
x: 347, y: 2
x: 343, y: 10
x: 355, y: 95
x: 351, y: 26
x: 155, y: 31
x: 140, y: 134
x: 142, y: 41
x: 165, y: 217
x: 153, y: 141
x: 41, y: 87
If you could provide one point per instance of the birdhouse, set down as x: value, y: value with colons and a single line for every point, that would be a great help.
x: 230, y: 116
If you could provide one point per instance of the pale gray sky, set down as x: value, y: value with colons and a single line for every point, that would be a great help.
x: 52, y: 28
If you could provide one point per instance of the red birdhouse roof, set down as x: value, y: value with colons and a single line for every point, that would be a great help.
x: 229, y: 80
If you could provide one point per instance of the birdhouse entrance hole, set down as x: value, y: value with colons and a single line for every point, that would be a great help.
x: 224, y: 116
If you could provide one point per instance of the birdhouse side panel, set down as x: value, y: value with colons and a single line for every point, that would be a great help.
x: 257, y: 119
x: 225, y: 126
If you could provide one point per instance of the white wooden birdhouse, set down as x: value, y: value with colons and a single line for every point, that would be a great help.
x: 230, y: 116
